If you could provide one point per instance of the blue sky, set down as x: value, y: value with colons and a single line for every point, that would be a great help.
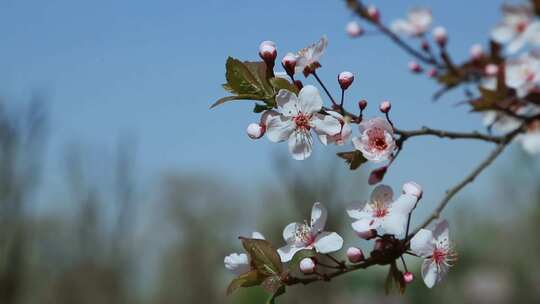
x: 151, y: 69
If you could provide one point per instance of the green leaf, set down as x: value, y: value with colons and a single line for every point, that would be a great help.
x: 264, y: 258
x: 394, y: 280
x: 261, y: 108
x: 230, y: 98
x: 279, y: 83
x: 279, y: 292
x: 299, y: 256
x: 248, y: 279
x: 354, y: 158
x: 259, y: 70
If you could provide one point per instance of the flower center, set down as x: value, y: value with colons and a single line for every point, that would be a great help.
x: 302, y: 121
x: 439, y: 256
x: 443, y: 255
x: 380, y: 209
x: 529, y: 76
x: 521, y: 26
x: 377, y: 139
x: 303, y: 234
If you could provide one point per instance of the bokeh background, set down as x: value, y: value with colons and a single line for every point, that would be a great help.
x: 119, y: 185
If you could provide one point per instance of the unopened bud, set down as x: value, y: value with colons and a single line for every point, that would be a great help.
x: 355, y: 255
x: 385, y: 106
x: 267, y: 51
x: 415, y: 67
x: 413, y: 189
x: 368, y: 234
x: 307, y: 265
x: 477, y: 52
x: 440, y: 35
x: 345, y: 79
x: 408, y: 277
x: 491, y: 69
x: 362, y: 104
x: 433, y: 73
x: 289, y: 63
x: 425, y: 46
x: 255, y: 131
x: 373, y: 13
x: 377, y: 175
x: 354, y: 29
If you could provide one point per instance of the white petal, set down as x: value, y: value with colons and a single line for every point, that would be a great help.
x: 429, y: 273
x: 310, y: 100
x: 531, y: 142
x: 382, y: 193
x: 237, y: 263
x: 517, y: 44
x: 357, y: 211
x: 395, y: 224
x: 502, y: 33
x: 422, y: 242
x: 366, y: 224
x: 279, y: 128
x: 533, y: 33
x: 441, y: 232
x: 289, y: 232
x: 287, y: 102
x: 401, y: 26
x: 300, y: 145
x: 327, y: 242
x: 421, y: 18
x: 325, y: 124
x: 404, y: 204
x: 257, y: 235
x: 318, y: 217
x: 287, y: 252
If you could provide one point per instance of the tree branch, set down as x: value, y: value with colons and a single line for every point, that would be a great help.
x: 448, y: 134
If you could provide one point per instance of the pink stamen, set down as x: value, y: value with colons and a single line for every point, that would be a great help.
x: 302, y: 121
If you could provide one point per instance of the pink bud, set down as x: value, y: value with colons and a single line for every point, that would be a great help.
x: 307, y: 265
x: 353, y: 29
x: 362, y: 104
x: 414, y: 67
x: 255, y: 131
x: 425, y: 45
x: 477, y: 52
x: 408, y: 277
x: 377, y: 175
x: 373, y: 13
x: 345, y: 79
x: 268, y: 51
x: 413, y: 189
x: 385, y: 106
x: 289, y: 63
x: 367, y: 235
x: 440, y: 35
x: 433, y: 73
x: 491, y: 69
x: 355, y: 255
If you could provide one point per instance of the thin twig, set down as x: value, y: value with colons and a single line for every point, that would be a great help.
x: 448, y: 134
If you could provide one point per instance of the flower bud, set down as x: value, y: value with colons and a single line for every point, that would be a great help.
x: 491, y: 69
x: 425, y: 46
x: 267, y: 51
x: 362, y: 104
x: 355, y: 255
x: 255, y: 131
x: 367, y: 235
x: 373, y: 13
x: 440, y: 35
x: 353, y: 29
x: 477, y: 52
x: 408, y: 277
x: 289, y: 63
x: 345, y: 79
x: 413, y: 189
x: 385, y: 106
x: 415, y: 67
x: 307, y: 265
x: 433, y: 73
x: 377, y: 175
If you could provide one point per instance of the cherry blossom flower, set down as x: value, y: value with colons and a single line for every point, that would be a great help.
x: 294, y: 119
x: 307, y: 59
x: 523, y: 74
x: 531, y: 139
x: 376, y: 140
x: 238, y: 263
x: 354, y: 29
x: 382, y: 213
x: 417, y: 22
x: 311, y: 235
x: 437, y: 252
x: 517, y: 28
x: 343, y: 136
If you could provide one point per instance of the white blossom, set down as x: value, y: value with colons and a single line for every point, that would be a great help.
x: 238, y: 263
x: 523, y: 74
x: 376, y: 140
x: 417, y: 23
x: 310, y: 235
x: 307, y: 59
x: 517, y: 28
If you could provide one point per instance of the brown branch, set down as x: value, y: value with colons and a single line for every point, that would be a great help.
x: 448, y: 134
